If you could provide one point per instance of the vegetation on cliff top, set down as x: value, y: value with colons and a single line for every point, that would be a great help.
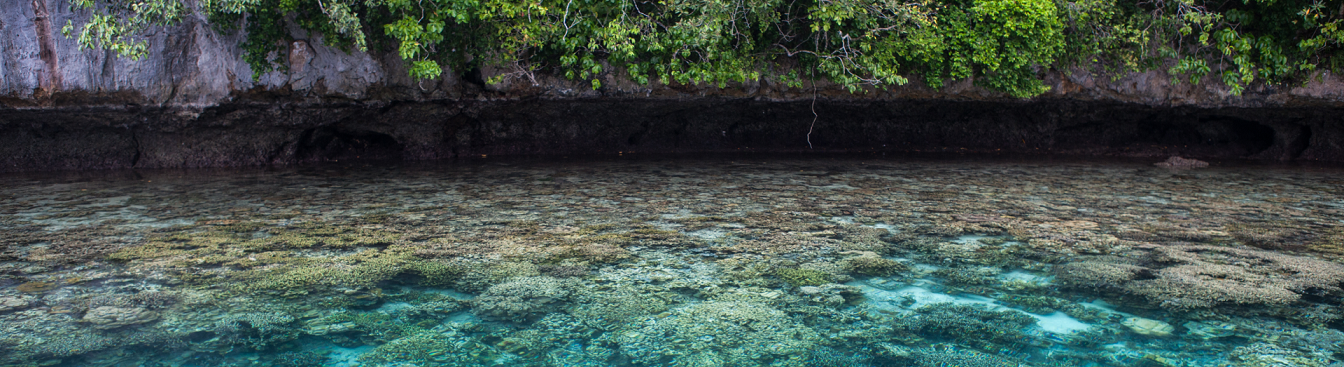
x: 1002, y: 44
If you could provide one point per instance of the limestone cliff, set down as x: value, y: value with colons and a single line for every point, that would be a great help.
x: 194, y: 102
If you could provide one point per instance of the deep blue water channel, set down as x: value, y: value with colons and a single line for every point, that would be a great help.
x: 686, y: 261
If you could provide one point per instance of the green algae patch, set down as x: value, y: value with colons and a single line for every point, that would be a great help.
x: 803, y: 277
x: 364, y: 270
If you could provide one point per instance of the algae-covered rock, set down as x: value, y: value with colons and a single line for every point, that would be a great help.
x: 1207, y: 330
x: 1148, y: 327
x: 109, y: 317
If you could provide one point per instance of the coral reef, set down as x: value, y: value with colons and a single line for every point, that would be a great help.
x: 109, y: 317
x: 1269, y: 355
x: 963, y: 358
x: 77, y: 343
x: 1271, y: 236
x: 974, y: 325
x: 833, y: 295
x: 1188, y: 277
x: 523, y: 298
x: 299, y: 359
x: 609, y: 308
x: 803, y: 277
x: 257, y: 331
x: 720, y: 333
x: 968, y: 275
x: 542, y: 265
x: 449, y: 347
x: 874, y: 266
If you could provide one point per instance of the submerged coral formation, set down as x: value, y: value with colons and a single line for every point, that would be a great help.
x: 720, y: 263
x: 523, y: 298
x: 1189, y: 276
x: 716, y: 333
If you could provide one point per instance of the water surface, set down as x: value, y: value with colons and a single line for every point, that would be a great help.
x: 728, y: 261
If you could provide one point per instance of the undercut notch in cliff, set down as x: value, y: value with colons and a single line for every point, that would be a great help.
x: 50, y: 79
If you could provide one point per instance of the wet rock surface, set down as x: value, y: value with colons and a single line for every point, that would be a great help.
x: 192, y: 102
x: 262, y: 133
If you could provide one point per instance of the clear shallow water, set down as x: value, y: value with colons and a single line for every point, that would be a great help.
x: 847, y: 261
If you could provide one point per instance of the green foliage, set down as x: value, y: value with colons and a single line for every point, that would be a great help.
x: 115, y: 24
x: 1004, y: 45
x: 1002, y: 42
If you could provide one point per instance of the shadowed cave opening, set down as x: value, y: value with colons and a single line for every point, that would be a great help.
x: 327, y: 143
x: 1247, y: 137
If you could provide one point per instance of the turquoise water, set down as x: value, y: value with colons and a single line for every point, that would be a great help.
x: 731, y: 261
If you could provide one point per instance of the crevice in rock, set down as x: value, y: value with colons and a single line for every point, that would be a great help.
x: 51, y: 81
x: 1300, y: 143
x: 135, y: 144
x: 327, y: 143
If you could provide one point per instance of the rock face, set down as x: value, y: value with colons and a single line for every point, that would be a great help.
x: 193, y: 102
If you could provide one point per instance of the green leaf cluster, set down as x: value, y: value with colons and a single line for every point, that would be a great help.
x: 1005, y: 45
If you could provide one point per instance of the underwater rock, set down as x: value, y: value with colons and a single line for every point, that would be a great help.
x: 1148, y: 327
x: 12, y: 303
x: 1210, y: 329
x: 324, y: 329
x: 831, y: 294
x: 109, y: 317
x: 1178, y: 162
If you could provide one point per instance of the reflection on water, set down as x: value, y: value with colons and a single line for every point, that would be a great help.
x: 680, y: 262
